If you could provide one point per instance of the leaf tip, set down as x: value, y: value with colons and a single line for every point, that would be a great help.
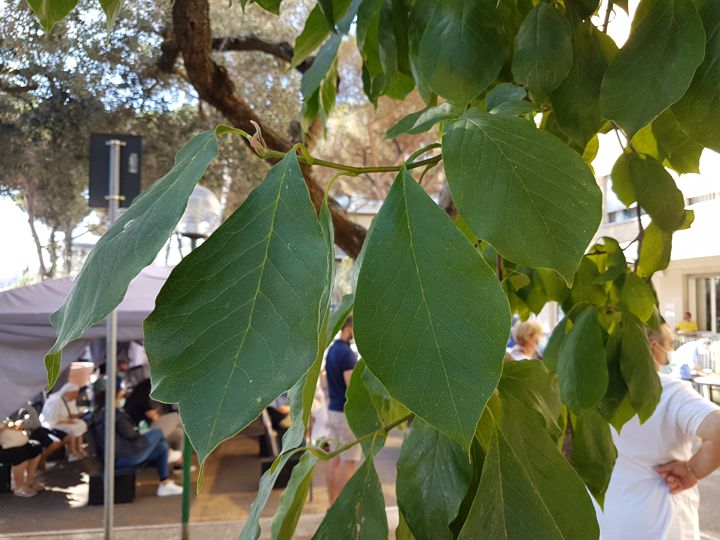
x: 53, y: 361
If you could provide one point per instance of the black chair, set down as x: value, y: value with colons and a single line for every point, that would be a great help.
x: 124, y: 478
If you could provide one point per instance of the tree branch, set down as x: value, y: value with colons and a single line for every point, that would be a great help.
x: 191, y: 22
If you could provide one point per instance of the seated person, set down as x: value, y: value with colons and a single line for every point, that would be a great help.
x: 527, y: 335
x: 60, y: 412
x: 132, y: 448
x: 24, y: 456
x: 141, y: 407
x: 279, y: 412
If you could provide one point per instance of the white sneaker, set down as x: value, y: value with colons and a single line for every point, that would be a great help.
x: 174, y: 456
x: 169, y: 488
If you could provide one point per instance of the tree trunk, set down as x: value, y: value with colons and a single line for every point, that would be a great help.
x: 30, y: 210
x: 191, y: 21
x: 53, y: 250
x: 68, y: 249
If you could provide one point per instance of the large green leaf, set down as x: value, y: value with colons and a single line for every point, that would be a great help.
x: 638, y: 368
x: 699, y: 109
x: 527, y: 488
x: 433, y: 476
x: 50, y: 12
x: 359, y: 511
x: 637, y: 296
x: 670, y: 145
x: 641, y: 178
x: 129, y: 246
x: 655, y: 251
x: 611, y: 407
x: 585, y: 8
x: 503, y: 93
x: 582, y: 366
x: 507, y: 178
x: 576, y: 102
x: 293, y: 498
x: 593, y: 452
x: 551, y: 354
x: 543, y: 52
x: 233, y: 327
x: 656, y: 64
x: 457, y: 46
x: 431, y: 320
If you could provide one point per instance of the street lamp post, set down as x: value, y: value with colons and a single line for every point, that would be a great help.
x: 201, y: 218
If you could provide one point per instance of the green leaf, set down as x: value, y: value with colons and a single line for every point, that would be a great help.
x: 433, y: 476
x: 576, y: 102
x: 543, y: 52
x: 50, y: 12
x: 610, y: 407
x: 112, y: 10
x: 382, y: 42
x: 339, y: 315
x: 403, y: 529
x: 638, y: 297
x: 642, y: 179
x: 513, y: 108
x: 232, y: 328
x: 360, y: 411
x: 698, y: 111
x: 529, y: 383
x: 359, y: 511
x: 503, y: 93
x: 313, y: 78
x: 436, y: 343
x: 518, y: 497
x: 457, y: 46
x: 658, y: 61
x: 638, y: 368
x: 328, y: 91
x: 273, y: 6
x: 293, y: 498
x: 655, y: 251
x: 551, y: 354
x: 585, y: 8
x: 593, y: 453
x: 422, y: 121
x: 679, y: 152
x: 328, y: 11
x: 315, y: 32
x: 585, y: 288
x: 507, y: 177
x: 129, y: 246
x: 582, y: 366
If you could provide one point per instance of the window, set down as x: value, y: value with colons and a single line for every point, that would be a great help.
x: 707, y: 303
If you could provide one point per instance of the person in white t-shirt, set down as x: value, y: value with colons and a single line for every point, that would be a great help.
x: 653, y: 491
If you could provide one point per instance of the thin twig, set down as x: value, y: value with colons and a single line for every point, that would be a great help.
x: 606, y: 22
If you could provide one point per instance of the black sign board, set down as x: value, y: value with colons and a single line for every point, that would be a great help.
x: 130, y: 163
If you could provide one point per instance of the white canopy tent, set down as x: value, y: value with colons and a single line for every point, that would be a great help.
x: 26, y: 334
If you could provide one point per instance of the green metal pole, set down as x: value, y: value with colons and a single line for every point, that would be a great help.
x: 187, y: 463
x: 187, y: 484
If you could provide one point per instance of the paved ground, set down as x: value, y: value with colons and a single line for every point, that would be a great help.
x: 231, y: 478
x: 218, y: 512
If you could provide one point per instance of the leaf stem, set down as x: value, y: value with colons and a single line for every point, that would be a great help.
x: 257, y: 143
x: 322, y: 454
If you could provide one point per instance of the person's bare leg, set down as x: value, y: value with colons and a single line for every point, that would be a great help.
x: 32, y: 465
x: 344, y: 474
x: 18, y: 472
x: 333, y: 478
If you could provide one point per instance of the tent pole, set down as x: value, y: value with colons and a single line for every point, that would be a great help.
x: 113, y: 199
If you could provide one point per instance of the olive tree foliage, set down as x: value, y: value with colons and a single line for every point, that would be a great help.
x: 519, y: 89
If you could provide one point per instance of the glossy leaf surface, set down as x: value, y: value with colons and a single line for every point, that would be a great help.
x: 232, y: 327
x: 508, y: 177
x: 433, y: 330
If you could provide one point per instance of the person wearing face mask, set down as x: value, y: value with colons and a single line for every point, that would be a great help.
x: 653, y: 488
x: 527, y: 336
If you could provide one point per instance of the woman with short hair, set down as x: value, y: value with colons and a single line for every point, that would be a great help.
x: 527, y: 336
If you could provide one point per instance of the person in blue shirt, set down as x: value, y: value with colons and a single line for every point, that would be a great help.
x: 339, y: 363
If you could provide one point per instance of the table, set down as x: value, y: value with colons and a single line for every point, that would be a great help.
x: 705, y: 384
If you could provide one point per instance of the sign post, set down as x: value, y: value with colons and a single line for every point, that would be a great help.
x: 113, y: 201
